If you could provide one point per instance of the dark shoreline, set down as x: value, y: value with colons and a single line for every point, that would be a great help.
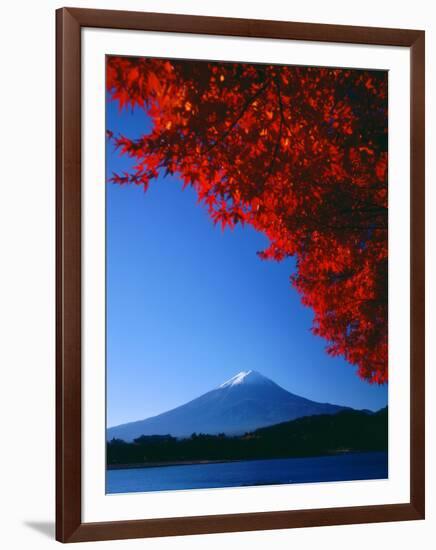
x: 168, y: 463
x: 139, y: 465
x: 306, y: 437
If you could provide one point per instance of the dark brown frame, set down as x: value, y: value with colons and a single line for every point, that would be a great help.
x: 69, y: 526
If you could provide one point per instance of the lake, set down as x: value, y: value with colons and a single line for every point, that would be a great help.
x: 343, y: 467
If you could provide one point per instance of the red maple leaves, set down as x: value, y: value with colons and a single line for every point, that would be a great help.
x: 300, y: 153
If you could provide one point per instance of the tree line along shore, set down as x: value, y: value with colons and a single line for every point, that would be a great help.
x: 345, y: 432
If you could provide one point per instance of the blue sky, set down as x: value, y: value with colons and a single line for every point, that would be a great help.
x: 189, y: 306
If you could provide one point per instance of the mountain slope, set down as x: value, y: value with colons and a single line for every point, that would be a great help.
x: 244, y: 403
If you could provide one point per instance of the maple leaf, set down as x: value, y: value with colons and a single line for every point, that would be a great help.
x: 300, y: 154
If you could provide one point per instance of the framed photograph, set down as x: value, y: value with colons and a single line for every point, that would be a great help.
x: 240, y: 275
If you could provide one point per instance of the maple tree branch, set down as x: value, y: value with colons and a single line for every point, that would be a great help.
x: 238, y: 118
x: 273, y: 156
x: 278, y: 148
x: 313, y: 226
x: 357, y: 227
x: 279, y: 137
x: 282, y: 112
x: 364, y: 207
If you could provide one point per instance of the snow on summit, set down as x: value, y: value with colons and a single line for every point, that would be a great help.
x: 244, y: 403
x: 245, y: 377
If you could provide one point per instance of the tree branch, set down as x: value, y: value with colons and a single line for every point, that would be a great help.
x: 279, y: 137
x: 238, y: 118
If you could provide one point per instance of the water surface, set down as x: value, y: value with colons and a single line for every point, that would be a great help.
x: 344, y: 467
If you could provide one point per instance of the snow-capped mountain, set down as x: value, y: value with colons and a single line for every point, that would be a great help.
x: 244, y: 403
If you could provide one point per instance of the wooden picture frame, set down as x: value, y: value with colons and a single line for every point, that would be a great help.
x: 69, y: 525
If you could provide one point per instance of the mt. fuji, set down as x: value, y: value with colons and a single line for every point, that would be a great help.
x: 244, y: 403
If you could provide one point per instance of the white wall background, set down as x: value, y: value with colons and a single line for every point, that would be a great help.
x: 27, y: 146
